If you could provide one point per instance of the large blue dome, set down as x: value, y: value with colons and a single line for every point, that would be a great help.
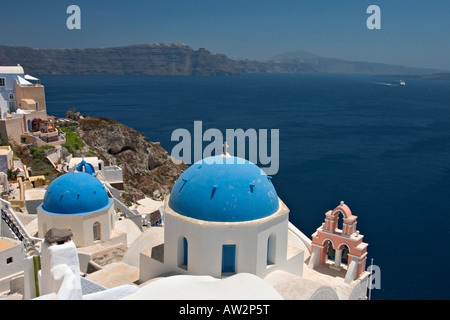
x: 224, y: 189
x: 75, y: 193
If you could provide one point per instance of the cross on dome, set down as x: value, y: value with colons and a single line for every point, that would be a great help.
x: 225, y: 149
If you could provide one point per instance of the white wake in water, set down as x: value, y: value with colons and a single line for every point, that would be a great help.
x: 387, y: 84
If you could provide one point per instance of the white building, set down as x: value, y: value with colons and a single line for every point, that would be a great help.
x: 12, y: 253
x: 78, y: 201
x: 8, y: 76
x: 223, y: 217
x: 23, y: 110
x: 225, y: 230
x: 111, y: 174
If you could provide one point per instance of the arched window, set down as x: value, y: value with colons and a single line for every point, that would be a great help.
x: 330, y: 252
x: 271, y: 251
x: 340, y: 220
x: 344, y: 255
x: 183, y: 253
x: 11, y: 96
x: 96, y: 230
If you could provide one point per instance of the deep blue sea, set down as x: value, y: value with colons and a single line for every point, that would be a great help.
x: 382, y: 148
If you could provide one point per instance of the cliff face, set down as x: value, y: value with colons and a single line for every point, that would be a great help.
x: 180, y: 60
x: 171, y: 59
x: 147, y: 168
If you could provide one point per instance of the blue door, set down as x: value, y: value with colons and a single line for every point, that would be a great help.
x: 228, y: 258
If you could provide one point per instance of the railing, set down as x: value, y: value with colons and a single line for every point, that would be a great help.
x: 136, y: 218
x: 12, y: 226
x: 40, y: 139
x: 17, y: 228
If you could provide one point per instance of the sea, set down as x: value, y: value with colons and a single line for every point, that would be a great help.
x: 382, y: 148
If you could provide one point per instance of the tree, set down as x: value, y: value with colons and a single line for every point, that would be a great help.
x: 12, y: 175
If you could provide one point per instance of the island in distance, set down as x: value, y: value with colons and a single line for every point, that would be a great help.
x: 176, y: 59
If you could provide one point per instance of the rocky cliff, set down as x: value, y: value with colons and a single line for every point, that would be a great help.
x: 180, y: 60
x: 151, y: 59
x: 147, y: 168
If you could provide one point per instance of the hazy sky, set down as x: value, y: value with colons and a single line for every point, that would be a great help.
x: 413, y: 32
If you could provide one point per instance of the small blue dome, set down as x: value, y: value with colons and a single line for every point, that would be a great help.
x: 75, y: 193
x: 224, y: 189
x: 83, y: 166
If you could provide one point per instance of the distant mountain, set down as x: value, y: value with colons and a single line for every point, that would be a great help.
x: 434, y: 76
x: 438, y: 76
x: 302, y: 59
x: 295, y: 55
x: 179, y: 59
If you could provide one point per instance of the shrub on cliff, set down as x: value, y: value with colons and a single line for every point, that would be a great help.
x: 73, y: 141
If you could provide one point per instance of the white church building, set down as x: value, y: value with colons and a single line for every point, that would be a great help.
x: 79, y: 202
x: 223, y: 217
x: 224, y: 230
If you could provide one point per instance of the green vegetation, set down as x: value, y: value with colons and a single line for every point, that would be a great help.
x: 73, y: 141
x: 90, y: 153
x: 4, y: 141
x: 38, y: 153
x: 39, y: 164
x: 12, y: 175
x: 33, y: 157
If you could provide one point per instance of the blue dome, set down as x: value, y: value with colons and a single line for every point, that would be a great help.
x: 75, y: 193
x: 224, y: 189
x: 83, y: 166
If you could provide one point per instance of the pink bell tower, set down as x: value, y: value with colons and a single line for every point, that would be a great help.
x: 340, y: 238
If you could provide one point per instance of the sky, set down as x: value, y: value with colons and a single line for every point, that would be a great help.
x: 413, y: 32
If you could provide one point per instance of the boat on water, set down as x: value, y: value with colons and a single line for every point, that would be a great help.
x: 402, y: 83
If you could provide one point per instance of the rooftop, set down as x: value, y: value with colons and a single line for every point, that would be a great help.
x: 224, y: 189
x: 6, y: 243
x: 75, y: 193
x: 11, y: 70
